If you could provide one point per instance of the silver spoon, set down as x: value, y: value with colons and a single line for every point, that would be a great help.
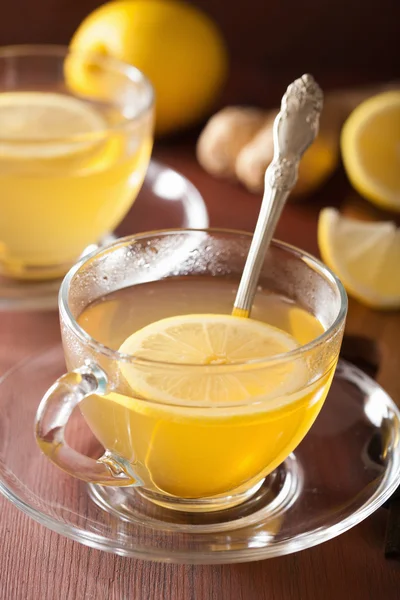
x: 295, y: 129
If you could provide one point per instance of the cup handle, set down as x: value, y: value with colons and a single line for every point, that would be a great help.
x: 52, y: 417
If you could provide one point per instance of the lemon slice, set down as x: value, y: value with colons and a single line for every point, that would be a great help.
x: 371, y: 149
x: 210, y: 340
x: 32, y: 124
x: 366, y: 257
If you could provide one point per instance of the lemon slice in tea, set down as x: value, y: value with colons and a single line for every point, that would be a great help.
x: 45, y: 125
x: 195, y: 345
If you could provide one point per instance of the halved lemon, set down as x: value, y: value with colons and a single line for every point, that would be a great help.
x: 191, y: 341
x: 370, y: 144
x: 43, y: 124
x: 365, y: 255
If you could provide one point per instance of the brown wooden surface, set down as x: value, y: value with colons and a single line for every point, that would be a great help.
x: 38, y: 564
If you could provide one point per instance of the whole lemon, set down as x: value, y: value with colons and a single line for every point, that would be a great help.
x: 177, y: 47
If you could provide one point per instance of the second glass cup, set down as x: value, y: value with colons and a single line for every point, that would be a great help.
x: 179, y: 448
x: 75, y: 143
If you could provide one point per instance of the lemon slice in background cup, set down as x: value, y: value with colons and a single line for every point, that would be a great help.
x: 177, y: 46
x: 371, y: 149
x: 365, y: 255
x: 28, y: 119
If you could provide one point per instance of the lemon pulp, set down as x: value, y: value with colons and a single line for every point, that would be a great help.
x: 210, y: 340
x: 366, y: 256
x: 370, y: 144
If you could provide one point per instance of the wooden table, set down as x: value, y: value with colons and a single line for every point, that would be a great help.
x: 38, y: 564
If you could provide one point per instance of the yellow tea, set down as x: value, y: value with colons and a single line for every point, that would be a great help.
x: 191, y: 450
x: 69, y: 171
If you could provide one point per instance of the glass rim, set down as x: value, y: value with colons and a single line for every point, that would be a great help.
x: 132, y: 73
x: 100, y: 348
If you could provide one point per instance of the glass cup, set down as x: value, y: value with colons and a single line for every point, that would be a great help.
x: 75, y: 143
x: 191, y: 457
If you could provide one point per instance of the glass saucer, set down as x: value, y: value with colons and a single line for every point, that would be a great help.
x: 166, y: 200
x: 346, y: 467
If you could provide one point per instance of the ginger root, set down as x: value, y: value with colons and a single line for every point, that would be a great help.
x: 253, y: 159
x: 237, y: 143
x: 225, y: 134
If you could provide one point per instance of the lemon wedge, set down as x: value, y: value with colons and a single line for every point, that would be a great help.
x: 43, y: 124
x: 370, y: 144
x: 366, y: 257
x: 207, y: 341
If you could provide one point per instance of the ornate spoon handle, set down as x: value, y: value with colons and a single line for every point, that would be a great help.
x: 295, y: 129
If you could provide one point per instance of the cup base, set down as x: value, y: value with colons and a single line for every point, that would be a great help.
x: 37, y: 288
x: 40, y: 274
x: 268, y: 499
x: 202, y: 505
